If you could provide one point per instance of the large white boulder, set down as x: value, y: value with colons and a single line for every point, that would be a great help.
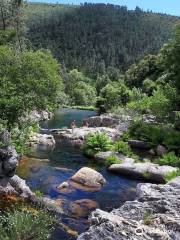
x: 147, y: 171
x: 85, y: 179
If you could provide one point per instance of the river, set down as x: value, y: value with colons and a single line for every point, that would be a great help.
x: 46, y: 169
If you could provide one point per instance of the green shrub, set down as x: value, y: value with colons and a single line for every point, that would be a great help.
x: 123, y: 147
x: 39, y: 194
x: 115, y: 94
x: 148, y: 218
x: 112, y: 160
x: 125, y: 137
x: 89, y: 152
x: 155, y: 135
x: 172, y: 175
x: 97, y: 142
x: 146, y: 175
x: 169, y: 159
x: 25, y: 225
x: 172, y: 141
x: 146, y: 132
x: 20, y: 136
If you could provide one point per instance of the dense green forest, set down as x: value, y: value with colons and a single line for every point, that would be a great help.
x: 96, y: 37
x: 96, y: 44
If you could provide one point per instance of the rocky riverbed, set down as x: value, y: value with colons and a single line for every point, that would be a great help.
x: 155, y: 214
x: 74, y: 196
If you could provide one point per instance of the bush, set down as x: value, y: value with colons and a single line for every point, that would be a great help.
x: 89, y: 152
x: 115, y: 94
x: 172, y: 141
x: 148, y: 218
x: 172, y: 175
x: 155, y: 135
x: 84, y: 94
x: 112, y: 160
x: 26, y: 224
x: 97, y: 142
x: 20, y: 136
x: 123, y: 148
x: 29, y: 80
x: 169, y: 159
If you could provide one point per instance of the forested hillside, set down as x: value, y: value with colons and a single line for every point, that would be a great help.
x: 94, y: 37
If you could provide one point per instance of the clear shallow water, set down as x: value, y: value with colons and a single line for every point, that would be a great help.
x: 62, y: 163
x: 64, y: 117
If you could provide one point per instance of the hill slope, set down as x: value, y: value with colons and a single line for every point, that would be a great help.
x: 92, y: 37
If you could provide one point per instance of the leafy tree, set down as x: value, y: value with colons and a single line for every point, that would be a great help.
x: 28, y: 81
x: 115, y: 94
x: 170, y: 58
x: 84, y: 94
x: 137, y: 73
x: 149, y: 86
x: 101, y: 82
x: 11, y: 22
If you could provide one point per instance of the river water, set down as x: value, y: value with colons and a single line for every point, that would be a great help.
x: 46, y: 169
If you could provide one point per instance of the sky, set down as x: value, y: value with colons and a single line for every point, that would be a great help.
x: 164, y: 6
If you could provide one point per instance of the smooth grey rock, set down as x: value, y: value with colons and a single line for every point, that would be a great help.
x: 152, y: 152
x: 89, y: 177
x: 63, y: 185
x: 139, y: 144
x: 155, y: 214
x: 102, y: 156
x: 86, y: 179
x: 8, y: 161
x: 38, y: 116
x: 81, y: 133
x: 20, y: 186
x: 5, y: 138
x: 108, y: 120
x: 161, y: 150
x: 147, y: 171
x: 46, y: 140
x: 175, y: 182
x: 10, y: 183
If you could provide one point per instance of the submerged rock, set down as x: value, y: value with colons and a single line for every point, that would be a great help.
x: 147, y: 171
x: 155, y: 214
x: 76, y: 209
x: 83, y: 207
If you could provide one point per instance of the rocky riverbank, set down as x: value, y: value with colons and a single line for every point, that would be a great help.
x: 155, y: 214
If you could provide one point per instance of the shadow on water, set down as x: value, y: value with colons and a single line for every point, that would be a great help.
x: 50, y: 168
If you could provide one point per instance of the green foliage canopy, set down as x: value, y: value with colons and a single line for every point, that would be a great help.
x: 28, y: 81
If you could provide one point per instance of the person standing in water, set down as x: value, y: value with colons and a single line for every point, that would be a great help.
x: 73, y: 125
x: 85, y: 124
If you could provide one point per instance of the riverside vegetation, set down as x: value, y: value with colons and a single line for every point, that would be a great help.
x: 34, y: 75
